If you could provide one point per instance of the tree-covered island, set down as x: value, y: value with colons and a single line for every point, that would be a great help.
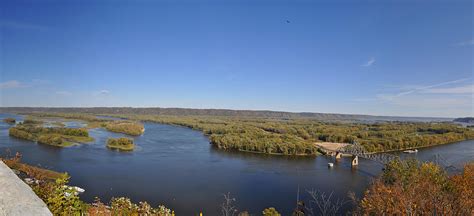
x: 121, y: 144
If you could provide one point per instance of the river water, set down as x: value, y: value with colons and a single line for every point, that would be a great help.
x: 177, y: 166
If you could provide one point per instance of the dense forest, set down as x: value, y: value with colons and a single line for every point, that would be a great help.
x: 214, y: 112
x: 297, y: 136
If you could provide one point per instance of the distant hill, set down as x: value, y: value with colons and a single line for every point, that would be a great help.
x: 218, y: 112
x: 469, y: 120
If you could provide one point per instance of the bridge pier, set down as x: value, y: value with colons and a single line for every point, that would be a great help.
x: 355, y: 160
x: 338, y: 155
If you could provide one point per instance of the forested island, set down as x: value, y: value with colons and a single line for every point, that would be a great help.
x: 55, y: 136
x: 290, y: 136
x: 121, y: 144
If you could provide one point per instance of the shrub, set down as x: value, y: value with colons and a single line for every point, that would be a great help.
x: 414, y: 188
x: 270, y: 212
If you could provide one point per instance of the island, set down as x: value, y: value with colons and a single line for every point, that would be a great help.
x: 9, y: 120
x: 121, y: 144
x: 54, y: 136
x: 128, y: 127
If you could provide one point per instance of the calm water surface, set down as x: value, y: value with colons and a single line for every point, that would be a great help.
x: 177, y: 166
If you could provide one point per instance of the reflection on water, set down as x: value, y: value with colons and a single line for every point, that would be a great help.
x: 178, y: 167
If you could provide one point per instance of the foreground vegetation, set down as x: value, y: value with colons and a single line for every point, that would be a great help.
x: 415, y: 188
x: 55, y: 136
x: 122, y: 144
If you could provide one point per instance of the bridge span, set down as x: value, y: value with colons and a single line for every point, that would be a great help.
x: 354, y: 150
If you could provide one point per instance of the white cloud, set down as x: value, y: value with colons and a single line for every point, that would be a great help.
x: 104, y: 92
x: 369, y: 63
x: 11, y: 84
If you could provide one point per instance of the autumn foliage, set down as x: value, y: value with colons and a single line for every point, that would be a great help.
x: 414, y: 188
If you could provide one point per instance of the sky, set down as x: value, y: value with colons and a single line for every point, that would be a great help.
x: 397, y: 58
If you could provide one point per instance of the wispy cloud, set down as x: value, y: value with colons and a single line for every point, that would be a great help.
x: 21, y: 25
x: 466, y: 89
x: 449, y: 98
x: 104, y: 92
x: 11, y: 84
x: 425, y: 88
x: 465, y: 43
x: 369, y: 63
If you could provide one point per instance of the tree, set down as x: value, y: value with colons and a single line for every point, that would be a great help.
x: 270, y: 212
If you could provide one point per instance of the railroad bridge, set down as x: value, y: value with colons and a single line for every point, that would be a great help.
x: 355, y: 151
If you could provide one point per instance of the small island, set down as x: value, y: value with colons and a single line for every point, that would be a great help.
x: 9, y: 120
x: 121, y: 144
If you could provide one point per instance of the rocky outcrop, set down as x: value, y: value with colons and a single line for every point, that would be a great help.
x: 16, y: 197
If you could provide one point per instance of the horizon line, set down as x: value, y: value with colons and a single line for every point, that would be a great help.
x: 229, y: 109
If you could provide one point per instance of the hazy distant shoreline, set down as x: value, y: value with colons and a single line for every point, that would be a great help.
x: 221, y: 112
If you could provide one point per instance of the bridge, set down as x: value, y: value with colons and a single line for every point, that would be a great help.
x: 355, y: 151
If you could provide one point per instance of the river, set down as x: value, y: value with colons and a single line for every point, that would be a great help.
x: 177, y: 166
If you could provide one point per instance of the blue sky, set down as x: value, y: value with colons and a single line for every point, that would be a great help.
x: 409, y: 58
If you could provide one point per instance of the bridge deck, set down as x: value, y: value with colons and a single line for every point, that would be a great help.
x: 330, y: 146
